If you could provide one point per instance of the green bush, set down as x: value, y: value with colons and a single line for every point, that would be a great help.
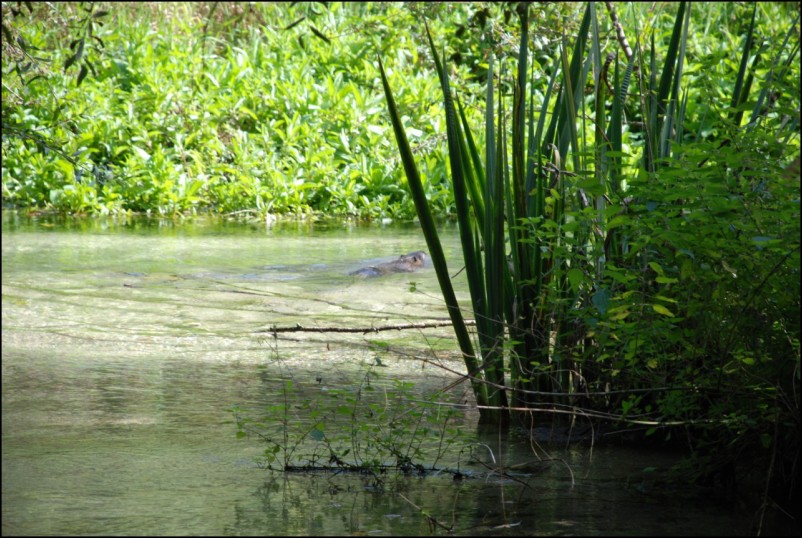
x: 181, y: 110
x: 632, y: 246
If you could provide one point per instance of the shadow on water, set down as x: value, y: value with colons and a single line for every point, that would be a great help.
x: 126, y: 343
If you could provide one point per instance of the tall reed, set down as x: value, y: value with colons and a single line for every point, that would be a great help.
x: 555, y: 194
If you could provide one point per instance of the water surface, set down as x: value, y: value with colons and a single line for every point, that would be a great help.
x: 125, y: 344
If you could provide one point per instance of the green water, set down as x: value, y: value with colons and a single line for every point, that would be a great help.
x: 125, y: 344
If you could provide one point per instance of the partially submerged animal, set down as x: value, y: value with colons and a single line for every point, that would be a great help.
x: 404, y: 264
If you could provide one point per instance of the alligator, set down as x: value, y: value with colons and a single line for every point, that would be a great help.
x: 404, y: 264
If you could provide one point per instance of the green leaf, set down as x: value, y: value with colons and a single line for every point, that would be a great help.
x: 82, y: 74
x: 144, y: 155
x: 656, y: 267
x: 319, y: 34
x: 212, y: 79
x: 70, y: 61
x: 664, y: 298
x: 575, y: 277
x: 601, y: 300
x: 660, y: 309
x: 7, y: 33
x: 294, y: 24
x: 427, y: 222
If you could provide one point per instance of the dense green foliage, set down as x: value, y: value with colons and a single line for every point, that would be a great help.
x: 653, y: 273
x: 179, y: 108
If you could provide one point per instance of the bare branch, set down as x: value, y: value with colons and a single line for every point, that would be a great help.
x: 619, y: 30
x: 396, y: 327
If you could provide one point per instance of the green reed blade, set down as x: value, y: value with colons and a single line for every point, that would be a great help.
x: 433, y: 241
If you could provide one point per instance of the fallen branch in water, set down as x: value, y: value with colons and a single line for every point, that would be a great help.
x: 395, y: 327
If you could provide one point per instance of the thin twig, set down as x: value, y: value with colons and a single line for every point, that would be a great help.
x: 619, y: 30
x: 393, y: 327
x: 430, y: 519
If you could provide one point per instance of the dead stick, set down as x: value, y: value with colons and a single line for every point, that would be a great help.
x: 619, y: 30
x: 430, y: 519
x: 399, y: 327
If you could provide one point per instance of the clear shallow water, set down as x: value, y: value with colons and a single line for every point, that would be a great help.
x: 124, y: 344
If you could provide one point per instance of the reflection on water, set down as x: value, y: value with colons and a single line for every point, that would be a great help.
x: 124, y: 345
